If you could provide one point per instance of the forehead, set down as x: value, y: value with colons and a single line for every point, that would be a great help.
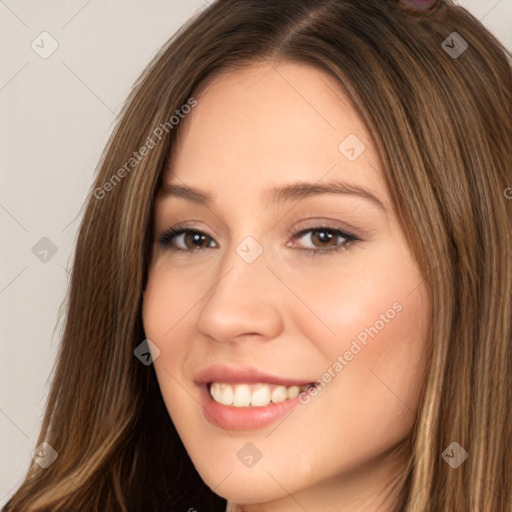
x: 273, y: 123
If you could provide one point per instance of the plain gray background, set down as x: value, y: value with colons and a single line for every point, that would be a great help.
x: 57, y: 112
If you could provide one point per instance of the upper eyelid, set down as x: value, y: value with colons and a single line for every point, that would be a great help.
x: 180, y: 228
x: 303, y: 231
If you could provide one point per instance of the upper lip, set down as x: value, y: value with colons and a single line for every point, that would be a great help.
x: 243, y: 375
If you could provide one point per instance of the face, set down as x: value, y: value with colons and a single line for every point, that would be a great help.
x: 287, y: 273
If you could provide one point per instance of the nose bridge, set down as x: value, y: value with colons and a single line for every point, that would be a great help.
x: 242, y: 300
x: 243, y: 272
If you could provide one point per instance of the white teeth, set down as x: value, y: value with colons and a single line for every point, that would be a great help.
x: 226, y: 396
x: 257, y: 395
x: 293, y: 391
x: 216, y: 391
x: 279, y: 394
x: 261, y: 396
x: 242, y: 395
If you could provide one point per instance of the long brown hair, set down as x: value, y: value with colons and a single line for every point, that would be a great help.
x: 440, y: 116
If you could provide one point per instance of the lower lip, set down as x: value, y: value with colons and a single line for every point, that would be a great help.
x: 230, y: 417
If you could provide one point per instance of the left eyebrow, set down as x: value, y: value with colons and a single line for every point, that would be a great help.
x: 300, y: 190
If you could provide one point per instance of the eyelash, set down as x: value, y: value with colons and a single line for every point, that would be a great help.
x: 167, y: 236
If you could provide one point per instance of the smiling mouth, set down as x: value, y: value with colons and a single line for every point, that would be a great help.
x: 254, y: 394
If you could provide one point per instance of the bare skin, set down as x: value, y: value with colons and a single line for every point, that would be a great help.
x: 289, y: 312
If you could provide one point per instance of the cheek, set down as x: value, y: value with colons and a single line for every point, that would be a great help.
x: 164, y: 315
x: 372, y: 295
x: 371, y: 326
x: 168, y: 303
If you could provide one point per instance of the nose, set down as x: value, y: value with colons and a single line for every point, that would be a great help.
x: 244, y: 301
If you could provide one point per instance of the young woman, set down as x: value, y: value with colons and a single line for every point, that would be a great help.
x: 292, y: 283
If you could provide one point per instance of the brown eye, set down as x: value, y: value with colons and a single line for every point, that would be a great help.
x: 182, y: 239
x: 194, y: 240
x: 323, y: 240
x: 324, y: 237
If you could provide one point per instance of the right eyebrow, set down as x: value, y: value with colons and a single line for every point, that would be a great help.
x: 185, y: 192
